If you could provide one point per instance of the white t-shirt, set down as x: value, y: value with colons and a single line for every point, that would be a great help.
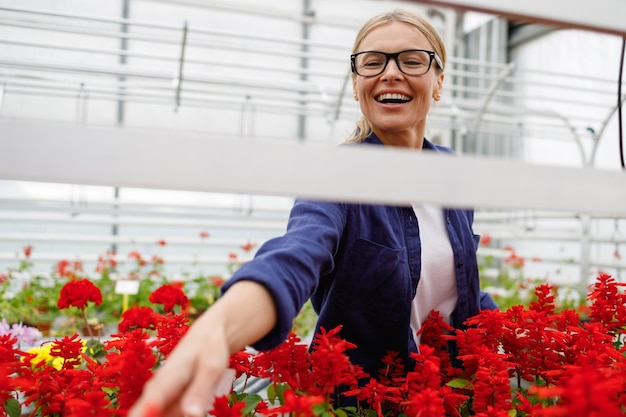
x: 437, y: 286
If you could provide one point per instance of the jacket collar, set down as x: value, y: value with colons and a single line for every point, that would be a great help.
x: 372, y: 139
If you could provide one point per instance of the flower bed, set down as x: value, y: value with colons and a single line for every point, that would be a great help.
x: 524, y: 361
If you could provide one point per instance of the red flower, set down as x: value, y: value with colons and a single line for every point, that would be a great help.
x: 106, y: 262
x: 221, y: 408
x: 393, y: 368
x: 169, y: 295
x: 10, y: 364
x: 52, y: 390
x: 485, y: 239
x: 514, y: 260
x: 170, y: 329
x: 241, y: 362
x: 28, y: 249
x: 92, y: 403
x: 157, y: 260
x: 217, y: 280
x: 248, y: 246
x: 492, y: 389
x: 130, y: 367
x: 435, y: 333
x: 68, y: 348
x: 608, y: 305
x: 298, y: 405
x: 137, y: 257
x: 204, y: 234
x: 288, y: 362
x: 138, y: 318
x: 161, y: 242
x: 331, y: 367
x: 374, y: 393
x: 67, y: 269
x: 584, y: 392
x: 78, y: 293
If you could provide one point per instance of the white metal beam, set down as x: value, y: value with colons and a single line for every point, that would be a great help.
x: 599, y: 15
x: 108, y: 156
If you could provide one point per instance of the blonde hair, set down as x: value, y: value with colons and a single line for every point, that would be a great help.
x: 363, y: 127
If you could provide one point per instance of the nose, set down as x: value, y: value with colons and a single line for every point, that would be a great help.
x: 392, y: 70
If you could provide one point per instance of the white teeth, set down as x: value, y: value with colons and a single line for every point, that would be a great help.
x: 393, y: 96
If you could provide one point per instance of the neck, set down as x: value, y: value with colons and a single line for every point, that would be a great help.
x: 405, y: 139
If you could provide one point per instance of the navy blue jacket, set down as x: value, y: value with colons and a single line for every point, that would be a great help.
x: 360, y: 264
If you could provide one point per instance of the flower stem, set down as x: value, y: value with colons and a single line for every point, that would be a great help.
x: 87, y: 323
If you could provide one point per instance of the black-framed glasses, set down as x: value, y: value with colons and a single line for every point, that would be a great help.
x: 410, y: 62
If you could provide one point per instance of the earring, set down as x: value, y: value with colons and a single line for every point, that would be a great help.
x: 437, y: 96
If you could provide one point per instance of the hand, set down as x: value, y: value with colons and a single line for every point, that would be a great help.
x: 184, y: 384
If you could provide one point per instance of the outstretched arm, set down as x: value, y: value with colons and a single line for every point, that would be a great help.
x: 184, y: 384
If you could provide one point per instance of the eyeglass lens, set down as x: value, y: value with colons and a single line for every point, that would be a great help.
x: 409, y: 62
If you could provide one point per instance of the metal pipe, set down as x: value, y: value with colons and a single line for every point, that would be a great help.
x: 174, y: 28
x: 490, y: 94
x: 181, y: 62
x: 304, y: 63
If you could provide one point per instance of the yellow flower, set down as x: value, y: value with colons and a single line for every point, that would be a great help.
x: 43, y: 354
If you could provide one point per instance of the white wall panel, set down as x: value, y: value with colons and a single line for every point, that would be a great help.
x: 103, y: 156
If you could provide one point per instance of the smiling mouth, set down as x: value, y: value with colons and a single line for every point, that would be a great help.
x: 393, y: 98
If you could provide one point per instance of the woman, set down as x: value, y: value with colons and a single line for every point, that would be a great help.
x: 370, y: 268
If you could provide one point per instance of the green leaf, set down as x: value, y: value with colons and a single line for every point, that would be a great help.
x: 280, y: 391
x: 512, y: 413
x: 12, y: 407
x: 347, y: 411
x: 271, y: 393
x: 459, y: 383
x: 340, y: 413
x: 251, y: 401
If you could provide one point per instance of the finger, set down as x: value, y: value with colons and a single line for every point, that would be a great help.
x: 167, y: 385
x: 209, y: 369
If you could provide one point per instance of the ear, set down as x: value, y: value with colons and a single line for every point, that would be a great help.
x: 356, y: 96
x: 438, y: 86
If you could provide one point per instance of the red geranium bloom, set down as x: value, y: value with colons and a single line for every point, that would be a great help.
x: 138, y: 318
x: 78, y: 293
x: 169, y: 295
